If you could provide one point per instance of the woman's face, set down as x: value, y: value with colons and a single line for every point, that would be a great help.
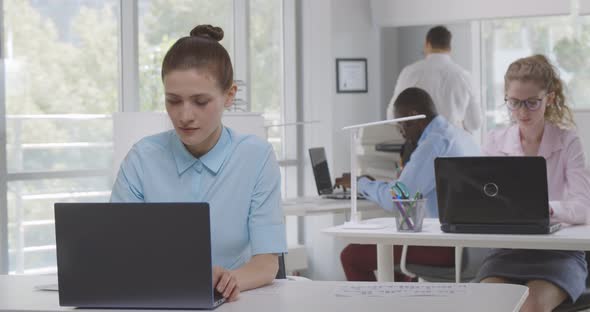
x: 529, y: 103
x: 195, y: 103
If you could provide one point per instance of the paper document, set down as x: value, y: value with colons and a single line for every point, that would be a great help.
x: 401, y: 290
x: 271, y: 289
x: 48, y: 287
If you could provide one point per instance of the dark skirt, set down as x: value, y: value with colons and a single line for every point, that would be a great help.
x: 565, y: 269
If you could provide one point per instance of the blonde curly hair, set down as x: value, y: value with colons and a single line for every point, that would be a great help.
x: 539, y: 70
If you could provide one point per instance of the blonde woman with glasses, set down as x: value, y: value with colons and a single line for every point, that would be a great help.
x: 542, y: 125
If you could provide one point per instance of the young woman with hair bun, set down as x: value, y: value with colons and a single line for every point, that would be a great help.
x: 201, y: 160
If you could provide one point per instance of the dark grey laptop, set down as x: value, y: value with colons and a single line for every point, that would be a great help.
x: 134, y: 255
x: 321, y: 174
x: 501, y: 195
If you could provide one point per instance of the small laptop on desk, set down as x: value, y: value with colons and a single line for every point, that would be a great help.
x: 321, y: 174
x: 135, y: 255
x: 493, y: 195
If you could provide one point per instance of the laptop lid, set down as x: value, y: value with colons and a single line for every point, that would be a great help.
x: 321, y: 173
x: 134, y: 255
x: 492, y: 190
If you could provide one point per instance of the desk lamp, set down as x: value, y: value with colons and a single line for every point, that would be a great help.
x: 354, y: 222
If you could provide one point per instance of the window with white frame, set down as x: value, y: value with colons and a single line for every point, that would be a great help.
x: 61, y: 78
x: 564, y: 40
x: 160, y: 24
x: 62, y: 85
x: 266, y: 49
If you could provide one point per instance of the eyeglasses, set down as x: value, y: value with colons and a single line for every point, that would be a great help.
x: 530, y: 104
x: 402, y: 126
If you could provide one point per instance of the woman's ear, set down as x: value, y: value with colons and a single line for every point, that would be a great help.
x: 231, y: 95
x: 550, y: 98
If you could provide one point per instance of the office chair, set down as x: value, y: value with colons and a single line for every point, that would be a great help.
x: 582, y: 304
x: 282, y: 273
x: 471, y: 260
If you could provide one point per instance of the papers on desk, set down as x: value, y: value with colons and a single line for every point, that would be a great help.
x: 401, y: 290
x: 272, y: 289
x: 47, y: 287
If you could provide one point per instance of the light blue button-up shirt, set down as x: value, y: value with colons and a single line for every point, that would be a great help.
x: 239, y: 178
x: 439, y: 139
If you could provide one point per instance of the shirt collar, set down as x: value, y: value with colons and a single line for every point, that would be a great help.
x: 435, y: 124
x: 550, y: 142
x: 212, y: 160
x: 511, y: 144
x: 438, y: 56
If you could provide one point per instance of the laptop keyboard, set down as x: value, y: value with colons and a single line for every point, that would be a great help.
x: 341, y: 196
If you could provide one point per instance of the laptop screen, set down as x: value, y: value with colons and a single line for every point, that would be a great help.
x: 321, y: 173
x: 492, y: 190
x: 134, y: 255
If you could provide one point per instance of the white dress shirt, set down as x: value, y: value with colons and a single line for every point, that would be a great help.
x: 449, y: 85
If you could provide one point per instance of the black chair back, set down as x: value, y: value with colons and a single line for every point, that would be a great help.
x: 281, y: 274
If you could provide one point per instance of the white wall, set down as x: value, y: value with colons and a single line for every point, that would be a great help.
x: 388, y: 13
x: 405, y: 45
x: 317, y: 71
x: 334, y: 29
x: 390, y: 67
x: 318, y: 79
x: 354, y: 36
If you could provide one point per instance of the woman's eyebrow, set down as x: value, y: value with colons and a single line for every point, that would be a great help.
x: 199, y: 95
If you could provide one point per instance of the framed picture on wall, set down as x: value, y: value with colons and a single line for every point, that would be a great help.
x: 351, y: 75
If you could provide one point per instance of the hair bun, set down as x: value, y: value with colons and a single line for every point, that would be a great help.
x: 207, y: 31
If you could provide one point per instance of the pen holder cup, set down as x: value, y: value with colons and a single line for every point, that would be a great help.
x: 409, y: 214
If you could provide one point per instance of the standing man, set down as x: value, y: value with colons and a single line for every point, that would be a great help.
x: 449, y: 85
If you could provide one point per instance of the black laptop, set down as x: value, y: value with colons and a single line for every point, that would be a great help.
x: 495, y: 195
x: 321, y: 174
x: 135, y: 255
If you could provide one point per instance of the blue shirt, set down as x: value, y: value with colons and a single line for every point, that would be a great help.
x: 439, y: 139
x: 239, y: 178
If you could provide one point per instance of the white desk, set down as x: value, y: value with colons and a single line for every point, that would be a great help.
x: 568, y: 238
x: 325, y: 252
x: 306, y: 206
x: 17, y: 293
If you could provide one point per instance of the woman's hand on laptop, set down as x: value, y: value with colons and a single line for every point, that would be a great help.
x: 226, y: 283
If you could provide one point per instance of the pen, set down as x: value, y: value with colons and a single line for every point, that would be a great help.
x: 400, y: 208
x: 417, y: 197
x: 403, y: 190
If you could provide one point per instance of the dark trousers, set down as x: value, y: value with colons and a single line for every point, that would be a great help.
x: 359, y: 261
